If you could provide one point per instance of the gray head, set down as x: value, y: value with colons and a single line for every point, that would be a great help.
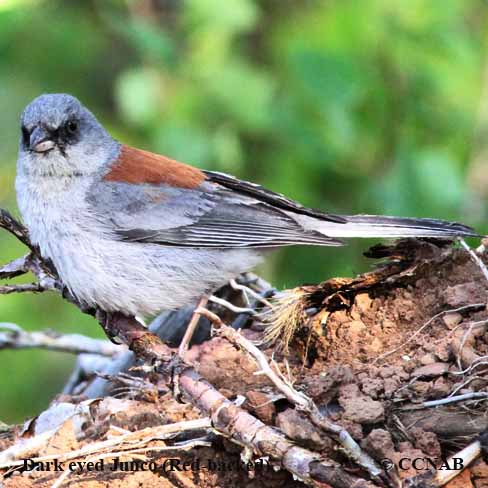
x: 60, y: 136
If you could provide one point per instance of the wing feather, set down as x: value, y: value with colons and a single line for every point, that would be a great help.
x: 221, y: 212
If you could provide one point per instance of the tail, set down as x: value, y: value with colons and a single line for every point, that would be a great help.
x: 379, y: 226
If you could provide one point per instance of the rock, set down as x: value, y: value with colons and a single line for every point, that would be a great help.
x: 391, y: 385
x: 428, y: 358
x: 421, y: 387
x: 440, y: 388
x: 479, y: 472
x: 379, y: 444
x: 462, y: 294
x: 452, y: 319
x: 323, y: 388
x: 372, y: 387
x: 297, y: 427
x: 359, y: 407
x: 434, y: 369
x: 407, y: 454
x: 427, y: 442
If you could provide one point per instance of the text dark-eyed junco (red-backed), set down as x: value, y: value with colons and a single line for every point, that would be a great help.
x: 134, y: 232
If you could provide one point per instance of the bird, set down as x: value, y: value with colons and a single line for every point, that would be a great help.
x: 134, y: 232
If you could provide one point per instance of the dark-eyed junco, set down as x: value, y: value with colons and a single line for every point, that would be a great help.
x: 134, y: 232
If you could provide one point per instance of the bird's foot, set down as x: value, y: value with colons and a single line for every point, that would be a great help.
x: 108, y: 322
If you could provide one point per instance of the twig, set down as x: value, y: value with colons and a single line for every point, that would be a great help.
x: 468, y: 455
x: 73, y: 343
x: 482, y: 360
x: 459, y: 354
x: 475, y: 395
x: 475, y: 258
x: 230, y: 306
x: 246, y: 289
x: 11, y: 225
x: 15, y: 268
x: 233, y: 336
x: 190, y: 330
x: 467, y: 382
x: 87, y: 365
x: 23, y: 288
x: 24, y: 448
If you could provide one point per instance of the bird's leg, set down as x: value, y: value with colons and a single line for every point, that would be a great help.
x: 108, y: 322
x: 138, y: 338
x: 190, y: 330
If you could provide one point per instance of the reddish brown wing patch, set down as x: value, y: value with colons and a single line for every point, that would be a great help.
x: 137, y: 166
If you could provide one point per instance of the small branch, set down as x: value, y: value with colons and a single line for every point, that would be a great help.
x: 468, y: 455
x: 230, y: 306
x: 239, y: 340
x: 24, y: 288
x: 72, y: 343
x: 245, y: 289
x: 15, y: 268
x: 11, y: 225
x: 474, y: 395
x: 456, y: 464
x: 190, y: 329
x: 241, y: 427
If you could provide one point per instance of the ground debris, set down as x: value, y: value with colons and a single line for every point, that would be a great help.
x: 369, y: 351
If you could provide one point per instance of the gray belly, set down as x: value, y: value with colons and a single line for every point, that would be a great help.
x: 142, y: 279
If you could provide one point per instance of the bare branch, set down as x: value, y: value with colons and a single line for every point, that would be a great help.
x: 474, y: 395
x: 72, y: 343
x: 246, y: 290
x: 15, y: 268
x: 23, y: 288
x: 230, y: 306
x: 11, y: 225
x: 190, y: 329
x: 468, y: 455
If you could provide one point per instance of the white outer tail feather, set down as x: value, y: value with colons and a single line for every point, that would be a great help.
x: 364, y: 226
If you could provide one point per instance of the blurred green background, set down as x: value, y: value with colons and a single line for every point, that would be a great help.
x: 378, y: 106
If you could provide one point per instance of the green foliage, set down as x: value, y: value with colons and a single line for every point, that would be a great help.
x: 372, y: 106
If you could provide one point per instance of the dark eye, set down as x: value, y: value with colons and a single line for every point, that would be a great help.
x: 72, y: 127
